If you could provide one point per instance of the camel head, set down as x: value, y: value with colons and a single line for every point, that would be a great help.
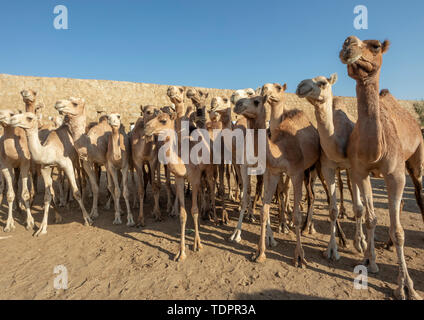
x: 114, y: 120
x: 220, y: 105
x: 273, y: 92
x: 168, y: 109
x: 72, y: 107
x: 5, y: 116
x: 149, y: 112
x: 176, y: 94
x: 317, y: 90
x: 197, y: 96
x: 240, y: 94
x: 250, y: 108
x: 363, y: 58
x: 159, y: 124
x: 29, y: 95
x: 26, y: 120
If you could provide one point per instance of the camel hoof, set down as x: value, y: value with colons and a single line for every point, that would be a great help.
x: 140, y: 224
x: 235, y: 237
x: 372, y: 267
x: 40, y: 232
x: 299, y: 258
x: 399, y: 293
x: 94, y: 215
x: 181, y: 256
x: 30, y: 226
x: 198, y: 247
x: 117, y: 221
x: 360, y: 245
x: 259, y: 258
x: 130, y: 222
x: 331, y: 254
x: 9, y: 229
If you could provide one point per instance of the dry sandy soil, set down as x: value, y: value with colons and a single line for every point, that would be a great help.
x: 105, y: 261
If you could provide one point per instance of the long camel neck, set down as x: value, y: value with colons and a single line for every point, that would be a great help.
x: 77, y: 125
x: 30, y: 106
x: 226, y: 120
x: 38, y: 152
x: 325, y: 126
x: 369, y: 121
x: 276, y: 116
x: 114, y: 142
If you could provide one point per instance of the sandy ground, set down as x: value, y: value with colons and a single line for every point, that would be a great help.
x: 105, y: 261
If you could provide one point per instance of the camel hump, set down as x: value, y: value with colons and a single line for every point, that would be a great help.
x: 384, y: 92
x: 292, y: 114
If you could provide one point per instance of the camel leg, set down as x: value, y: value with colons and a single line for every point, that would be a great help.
x: 211, y: 183
x: 221, y: 188
x: 1, y: 187
x: 359, y: 240
x: 46, y: 173
x: 258, y: 194
x: 299, y: 256
x: 10, y: 224
x: 141, y: 190
x: 270, y: 185
x: 68, y: 168
x: 94, y: 188
x: 365, y: 188
x: 395, y: 184
x: 236, y: 236
x: 61, y: 182
x: 126, y: 195
x: 168, y: 189
x: 179, y: 184
x: 309, y: 222
x: 115, y: 191
x: 155, y: 178
x: 195, y: 214
x: 342, y: 210
x: 414, y: 167
x: 329, y: 176
x: 26, y: 196
x: 227, y: 168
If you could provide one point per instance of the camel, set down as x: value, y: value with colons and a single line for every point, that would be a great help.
x: 164, y: 125
x: 334, y: 128
x: 144, y: 152
x: 57, y: 150
x: 385, y: 140
x: 118, y: 155
x: 14, y: 153
x: 242, y: 172
x: 91, y: 146
x: 292, y: 148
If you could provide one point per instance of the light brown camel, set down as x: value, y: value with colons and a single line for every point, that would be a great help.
x: 164, y: 125
x: 14, y: 153
x: 241, y: 171
x: 292, y: 148
x: 91, y: 147
x: 202, y: 121
x: 384, y: 139
x: 57, y: 150
x: 118, y: 157
x: 144, y: 152
x: 334, y: 128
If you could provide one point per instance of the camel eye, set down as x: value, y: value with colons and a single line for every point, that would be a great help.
x: 322, y: 84
x: 256, y: 103
x: 119, y: 117
x: 162, y: 121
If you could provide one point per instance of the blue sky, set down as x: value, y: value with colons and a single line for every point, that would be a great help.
x: 221, y: 44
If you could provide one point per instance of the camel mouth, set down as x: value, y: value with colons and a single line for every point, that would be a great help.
x: 351, y: 60
x: 303, y: 91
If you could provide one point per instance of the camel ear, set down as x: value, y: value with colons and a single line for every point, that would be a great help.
x: 173, y: 116
x: 333, y: 78
x: 225, y: 100
x: 385, y: 46
x: 285, y: 87
x: 181, y: 89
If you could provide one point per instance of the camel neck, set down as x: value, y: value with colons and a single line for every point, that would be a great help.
x: 226, y: 120
x: 115, y: 143
x: 276, y: 116
x: 30, y: 107
x: 325, y: 126
x: 77, y: 125
x: 34, y: 145
x: 369, y: 121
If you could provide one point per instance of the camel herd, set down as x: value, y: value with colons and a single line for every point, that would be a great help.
x: 385, y: 141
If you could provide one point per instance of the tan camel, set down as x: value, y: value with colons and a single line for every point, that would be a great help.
x: 57, y: 150
x: 14, y: 153
x: 292, y: 148
x: 91, y: 147
x: 242, y: 172
x: 144, y: 152
x: 164, y: 124
x: 334, y: 128
x: 118, y: 155
x: 384, y: 139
